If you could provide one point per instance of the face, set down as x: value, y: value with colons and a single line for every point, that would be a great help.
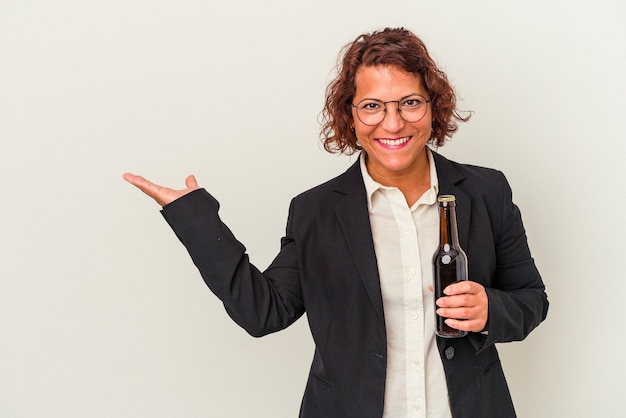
x: 395, y: 148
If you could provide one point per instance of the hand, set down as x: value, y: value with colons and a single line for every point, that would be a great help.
x: 162, y: 195
x: 467, y: 302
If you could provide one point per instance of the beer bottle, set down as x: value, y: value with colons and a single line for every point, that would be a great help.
x: 449, y: 261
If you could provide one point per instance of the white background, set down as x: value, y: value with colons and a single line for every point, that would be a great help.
x: 102, y: 313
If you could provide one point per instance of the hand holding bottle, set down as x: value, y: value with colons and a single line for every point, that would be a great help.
x: 466, y: 301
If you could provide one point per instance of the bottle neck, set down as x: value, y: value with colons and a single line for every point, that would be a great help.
x: 448, y: 233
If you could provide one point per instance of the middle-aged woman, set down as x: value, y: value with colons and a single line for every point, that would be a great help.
x: 357, y: 253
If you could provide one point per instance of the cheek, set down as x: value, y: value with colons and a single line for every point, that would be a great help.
x: 363, y: 132
x: 425, y: 126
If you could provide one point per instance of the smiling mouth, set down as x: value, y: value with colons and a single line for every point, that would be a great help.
x: 394, y: 142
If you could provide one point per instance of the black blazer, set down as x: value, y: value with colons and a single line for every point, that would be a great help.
x: 327, y: 268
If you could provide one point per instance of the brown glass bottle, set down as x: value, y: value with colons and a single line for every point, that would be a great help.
x: 449, y: 261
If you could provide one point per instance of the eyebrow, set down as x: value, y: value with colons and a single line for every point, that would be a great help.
x: 399, y: 100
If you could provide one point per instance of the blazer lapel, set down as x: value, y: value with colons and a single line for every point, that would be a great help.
x: 449, y: 181
x: 353, y: 216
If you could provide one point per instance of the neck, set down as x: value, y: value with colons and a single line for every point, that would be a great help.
x: 412, y: 181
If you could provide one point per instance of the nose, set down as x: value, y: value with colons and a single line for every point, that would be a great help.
x: 392, y: 121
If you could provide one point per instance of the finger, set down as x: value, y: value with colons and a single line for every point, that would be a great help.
x: 456, y: 301
x: 129, y: 177
x: 456, y: 313
x: 466, y: 286
x: 469, y: 325
x: 476, y: 314
x: 146, y: 186
x: 137, y: 181
x: 191, y: 182
x: 456, y: 288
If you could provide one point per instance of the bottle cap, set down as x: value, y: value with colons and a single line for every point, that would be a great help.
x: 446, y: 198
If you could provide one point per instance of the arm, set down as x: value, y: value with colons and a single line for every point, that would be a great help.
x: 259, y: 302
x: 517, y: 299
x: 512, y: 301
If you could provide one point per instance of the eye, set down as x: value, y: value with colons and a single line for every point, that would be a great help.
x: 371, y: 106
x: 412, y: 102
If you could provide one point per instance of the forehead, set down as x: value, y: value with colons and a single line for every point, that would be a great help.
x: 386, y: 83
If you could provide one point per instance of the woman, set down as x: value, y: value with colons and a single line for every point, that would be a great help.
x: 357, y: 254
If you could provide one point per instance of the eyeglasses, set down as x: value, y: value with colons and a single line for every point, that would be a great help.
x: 372, y: 111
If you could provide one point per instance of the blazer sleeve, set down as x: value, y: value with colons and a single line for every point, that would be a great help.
x: 517, y: 299
x: 261, y: 303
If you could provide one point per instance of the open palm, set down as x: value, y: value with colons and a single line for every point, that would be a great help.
x: 162, y: 195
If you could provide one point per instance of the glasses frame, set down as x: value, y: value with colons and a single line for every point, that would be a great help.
x: 399, y: 110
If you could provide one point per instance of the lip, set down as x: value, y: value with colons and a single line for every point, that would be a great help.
x: 394, y: 143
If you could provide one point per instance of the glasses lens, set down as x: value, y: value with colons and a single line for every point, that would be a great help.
x: 370, y: 112
x: 413, y: 108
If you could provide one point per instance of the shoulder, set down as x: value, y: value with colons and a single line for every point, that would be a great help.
x: 348, y: 182
x: 484, y: 189
x: 471, y: 172
x: 472, y: 178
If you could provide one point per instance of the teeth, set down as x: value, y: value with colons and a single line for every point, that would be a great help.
x: 394, y: 142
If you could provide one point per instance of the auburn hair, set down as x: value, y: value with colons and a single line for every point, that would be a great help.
x: 397, y: 47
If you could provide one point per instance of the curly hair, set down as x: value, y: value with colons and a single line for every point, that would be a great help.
x: 395, y: 47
